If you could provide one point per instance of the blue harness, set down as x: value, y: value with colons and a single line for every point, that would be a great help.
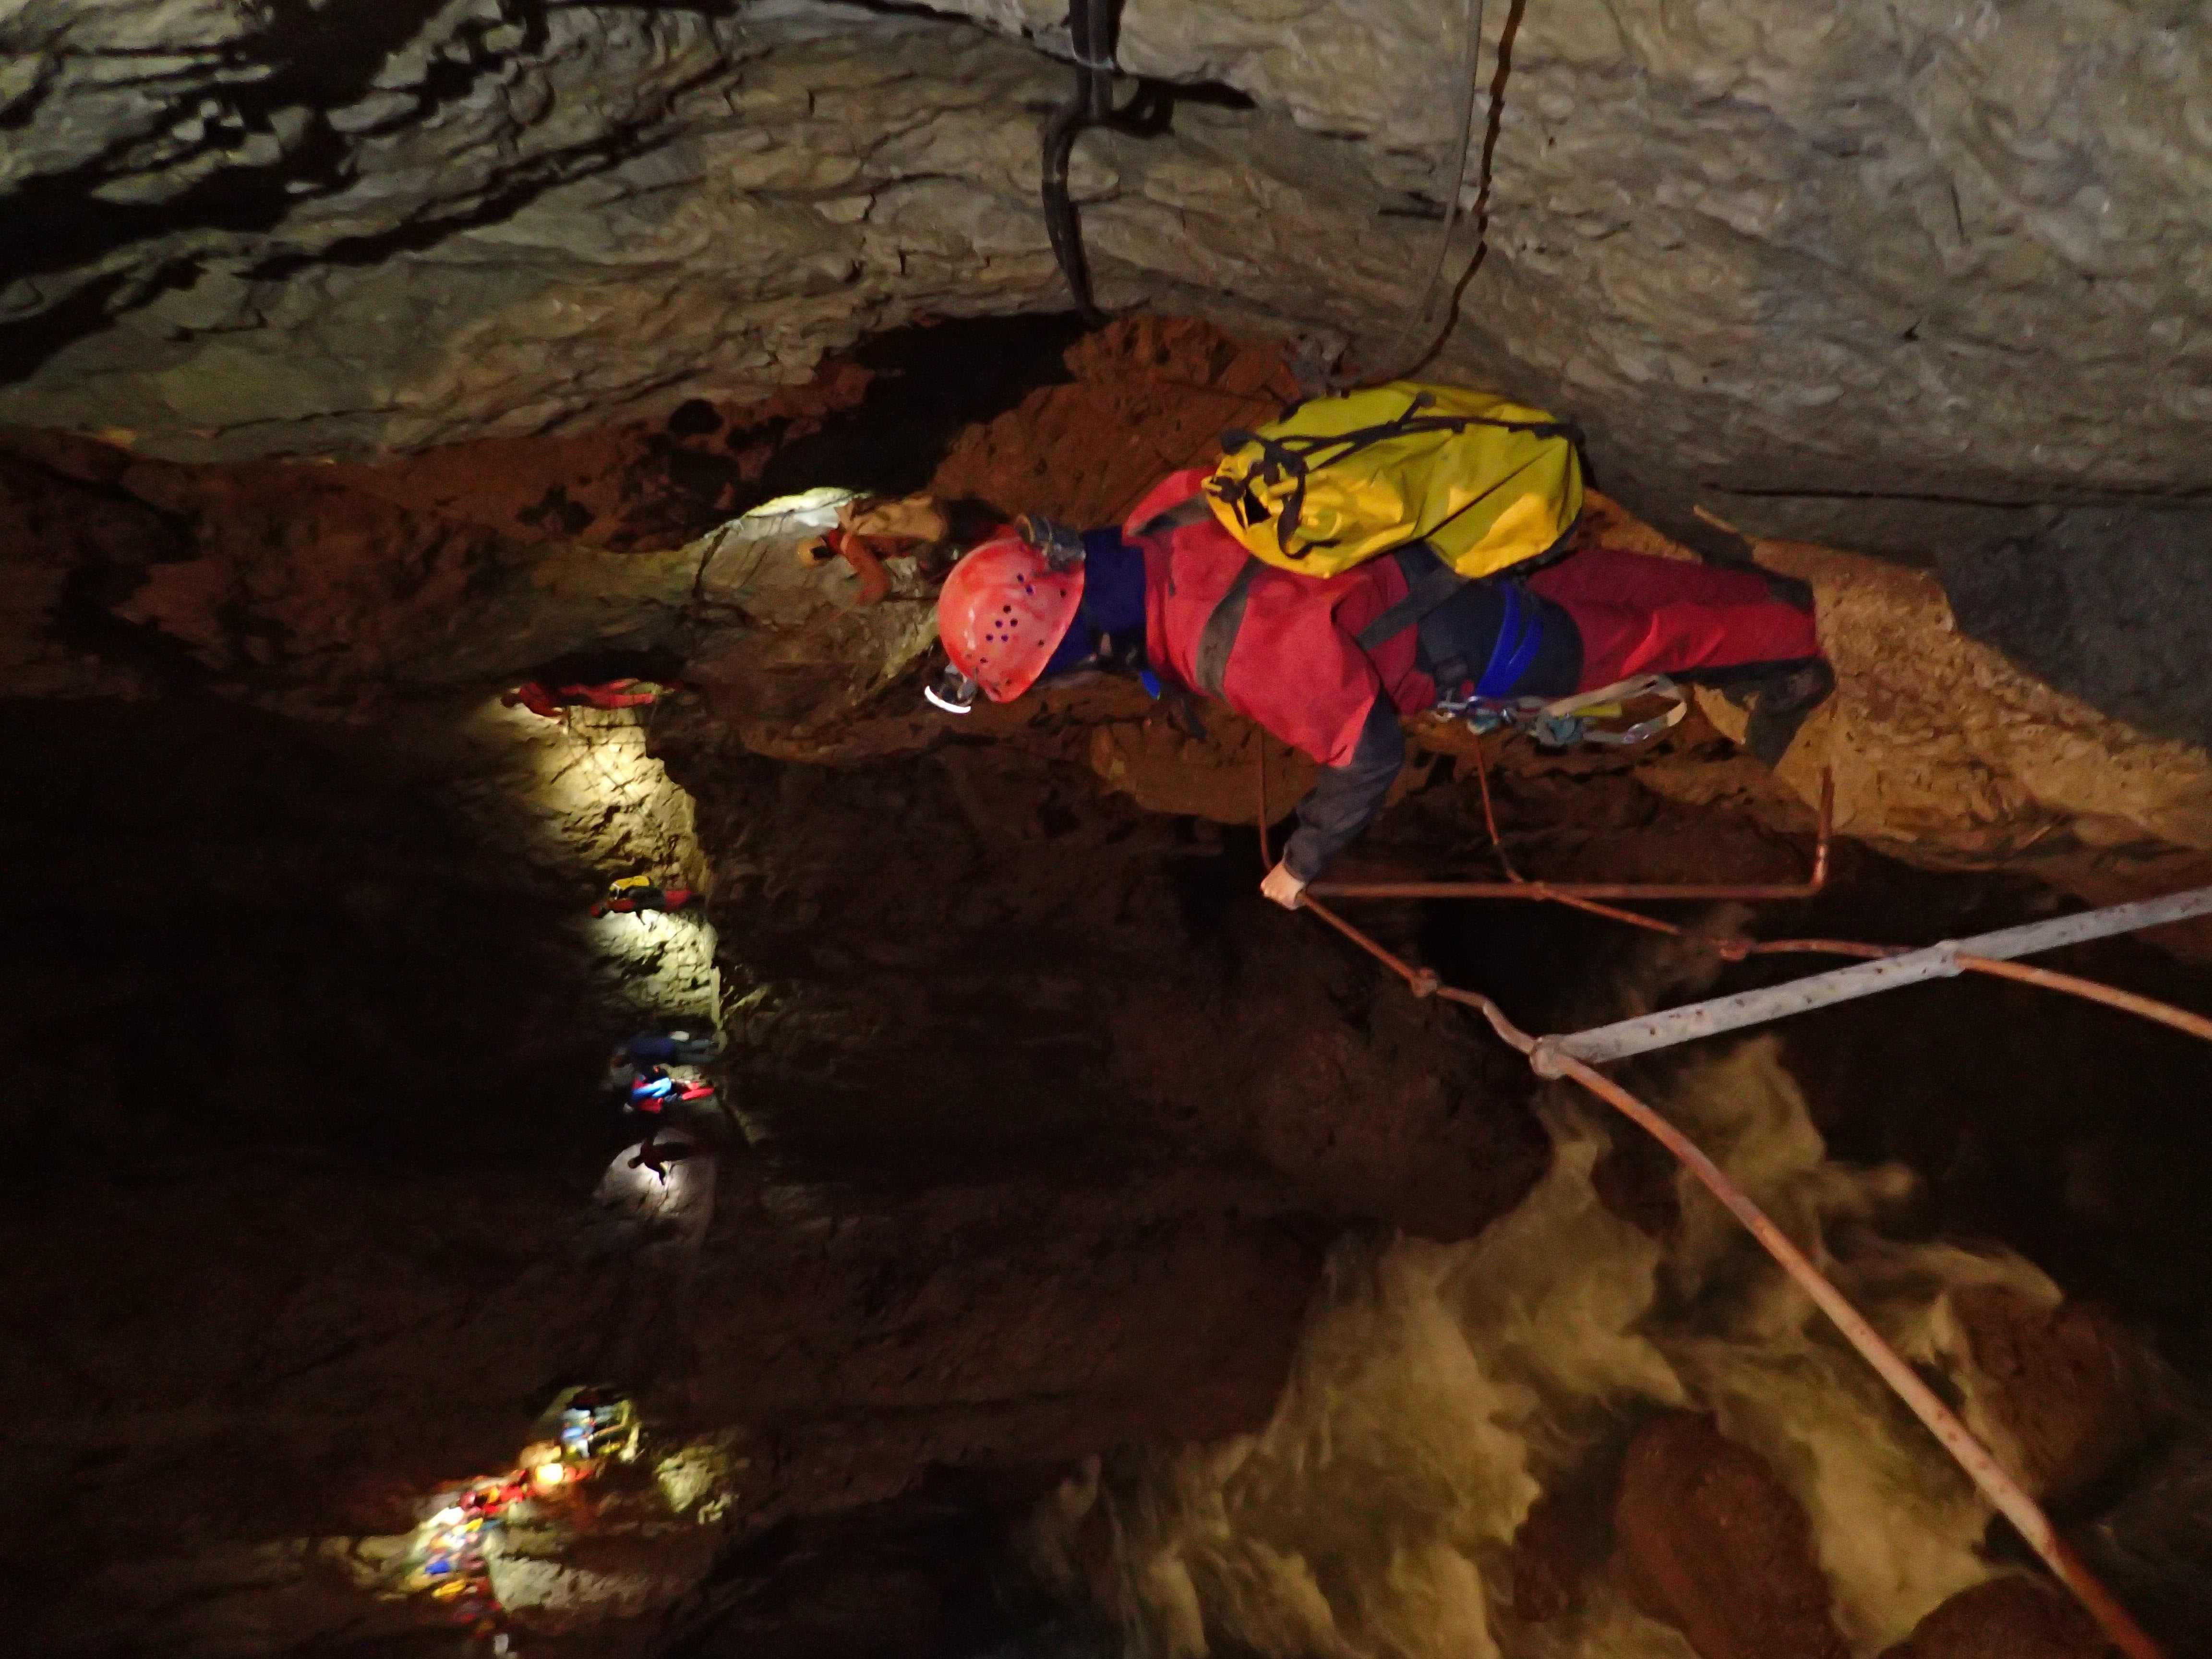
x: 1520, y: 631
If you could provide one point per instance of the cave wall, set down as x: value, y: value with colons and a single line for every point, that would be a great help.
x: 1818, y: 263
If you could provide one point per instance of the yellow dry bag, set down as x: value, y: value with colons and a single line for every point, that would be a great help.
x: 1339, y: 480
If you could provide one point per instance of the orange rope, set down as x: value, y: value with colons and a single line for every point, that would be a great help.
x: 2009, y: 1497
x: 2005, y: 1494
x: 2164, y: 1012
x: 1490, y: 815
x: 1738, y: 949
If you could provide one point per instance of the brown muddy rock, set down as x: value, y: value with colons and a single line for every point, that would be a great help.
x: 1150, y: 395
x: 1714, y: 1545
x: 965, y: 955
x: 2007, y: 1618
x: 2068, y: 1386
x: 652, y: 485
x: 283, y: 573
x: 1165, y: 769
x: 64, y: 536
x: 1566, y: 1537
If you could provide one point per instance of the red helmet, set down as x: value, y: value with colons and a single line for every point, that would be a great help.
x: 1003, y: 612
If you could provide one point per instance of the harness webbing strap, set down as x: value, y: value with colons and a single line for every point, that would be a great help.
x: 1219, y: 638
x: 1424, y: 591
x: 1520, y: 633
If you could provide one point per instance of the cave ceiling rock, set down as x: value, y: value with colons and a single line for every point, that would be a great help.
x: 586, y: 226
x: 1878, y: 276
x: 1758, y: 248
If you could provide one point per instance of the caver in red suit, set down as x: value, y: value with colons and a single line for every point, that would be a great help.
x: 1329, y: 664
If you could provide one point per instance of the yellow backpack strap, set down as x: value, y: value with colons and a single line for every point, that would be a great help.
x: 1424, y: 591
x: 1292, y: 457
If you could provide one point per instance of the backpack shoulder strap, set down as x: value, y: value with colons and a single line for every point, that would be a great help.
x: 1429, y: 582
x: 1219, y: 637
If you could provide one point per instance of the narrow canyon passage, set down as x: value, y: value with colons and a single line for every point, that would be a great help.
x: 727, y: 806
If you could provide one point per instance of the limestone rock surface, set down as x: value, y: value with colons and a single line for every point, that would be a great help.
x: 1892, y: 276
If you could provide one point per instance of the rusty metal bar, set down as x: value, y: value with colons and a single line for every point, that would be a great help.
x: 1568, y: 892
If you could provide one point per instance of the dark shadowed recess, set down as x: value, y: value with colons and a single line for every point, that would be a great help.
x: 924, y: 383
x: 930, y: 1576
x: 931, y: 381
x: 230, y: 931
x: 2108, y: 603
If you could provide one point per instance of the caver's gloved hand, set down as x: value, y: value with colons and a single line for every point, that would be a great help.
x: 1061, y: 544
x: 1285, y: 886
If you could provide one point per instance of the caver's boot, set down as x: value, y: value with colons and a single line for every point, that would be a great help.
x: 1784, y: 701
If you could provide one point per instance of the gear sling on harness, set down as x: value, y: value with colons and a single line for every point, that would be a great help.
x: 1488, y: 700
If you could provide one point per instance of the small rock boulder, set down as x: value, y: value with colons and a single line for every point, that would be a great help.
x: 2072, y: 1390
x: 2009, y: 1618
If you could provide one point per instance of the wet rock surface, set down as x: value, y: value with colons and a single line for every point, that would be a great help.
x: 1714, y: 1545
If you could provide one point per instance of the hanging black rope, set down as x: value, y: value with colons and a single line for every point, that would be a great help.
x: 1093, y: 28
